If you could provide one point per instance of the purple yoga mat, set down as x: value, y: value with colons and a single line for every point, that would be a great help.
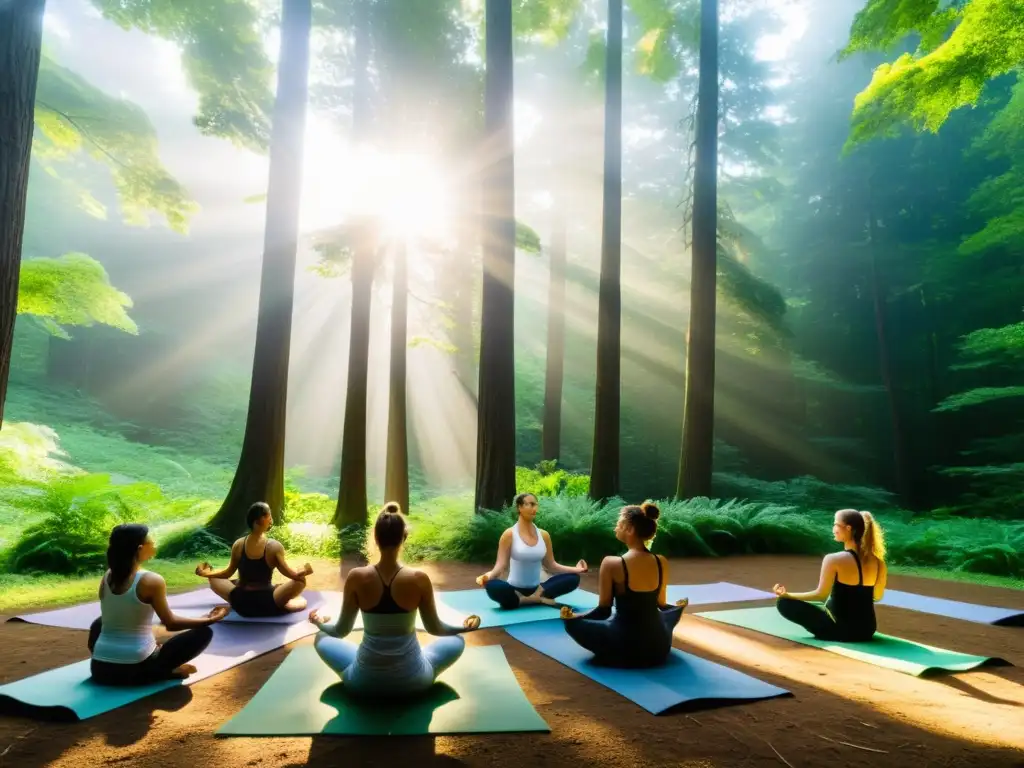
x: 954, y: 609
x: 197, y: 602
x: 719, y: 592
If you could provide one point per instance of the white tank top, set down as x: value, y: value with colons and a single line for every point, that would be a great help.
x: 127, y: 633
x: 524, y: 566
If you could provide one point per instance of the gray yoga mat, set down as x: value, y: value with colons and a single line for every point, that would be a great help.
x: 719, y: 592
x: 954, y: 609
x: 195, y: 603
x: 68, y: 691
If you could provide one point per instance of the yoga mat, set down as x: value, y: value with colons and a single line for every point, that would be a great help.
x: 883, y: 651
x: 69, y: 690
x: 684, y: 679
x: 304, y: 697
x: 467, y: 602
x: 953, y: 609
x: 195, y: 603
x: 719, y: 592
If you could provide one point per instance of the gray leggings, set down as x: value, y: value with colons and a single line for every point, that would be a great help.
x: 340, y: 655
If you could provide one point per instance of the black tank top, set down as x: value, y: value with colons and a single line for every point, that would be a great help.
x: 387, y: 603
x: 254, y: 572
x: 853, y: 605
x: 638, y: 607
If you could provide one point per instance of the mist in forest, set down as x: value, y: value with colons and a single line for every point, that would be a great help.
x: 867, y: 289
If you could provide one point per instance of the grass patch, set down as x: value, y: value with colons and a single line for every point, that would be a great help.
x: 942, y: 574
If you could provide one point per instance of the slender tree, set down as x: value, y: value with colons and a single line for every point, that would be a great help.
x: 551, y: 438
x: 695, y: 461
x: 21, y: 42
x: 396, y: 476
x: 604, y: 472
x: 496, y: 412
x: 260, y: 472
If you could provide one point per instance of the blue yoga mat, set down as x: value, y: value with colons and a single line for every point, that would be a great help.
x: 719, y: 592
x: 683, y: 680
x: 455, y: 606
x: 69, y: 691
x: 953, y: 609
x: 194, y: 603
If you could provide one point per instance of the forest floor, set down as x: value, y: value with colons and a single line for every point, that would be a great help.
x: 886, y: 718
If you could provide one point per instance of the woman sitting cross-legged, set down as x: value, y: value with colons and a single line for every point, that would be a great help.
x: 522, y: 549
x: 124, y: 651
x: 639, y: 633
x: 389, y: 662
x: 851, y: 582
x: 255, y: 557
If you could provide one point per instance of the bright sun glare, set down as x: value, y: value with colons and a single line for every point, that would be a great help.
x: 409, y: 193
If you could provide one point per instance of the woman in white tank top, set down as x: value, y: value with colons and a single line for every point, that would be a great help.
x: 121, y: 641
x: 524, y: 549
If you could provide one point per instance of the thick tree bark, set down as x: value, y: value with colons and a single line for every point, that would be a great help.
x: 352, y: 500
x: 260, y: 472
x: 21, y: 42
x: 604, y: 471
x: 396, y: 476
x: 695, y: 460
x: 496, y: 421
x: 551, y: 438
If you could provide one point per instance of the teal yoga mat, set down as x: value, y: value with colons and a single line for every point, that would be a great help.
x: 304, y: 697
x: 68, y: 692
x: 684, y: 681
x: 883, y: 651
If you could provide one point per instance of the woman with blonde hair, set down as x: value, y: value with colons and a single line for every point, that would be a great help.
x: 851, y: 582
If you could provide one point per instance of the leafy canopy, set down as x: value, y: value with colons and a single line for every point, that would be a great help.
x: 72, y: 290
x: 945, y: 72
x: 72, y: 117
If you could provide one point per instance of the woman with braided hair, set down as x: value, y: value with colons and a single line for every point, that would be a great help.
x: 851, y: 582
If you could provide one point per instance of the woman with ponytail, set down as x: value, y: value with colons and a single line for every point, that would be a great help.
x: 851, y: 582
x: 389, y: 662
x: 121, y: 641
x: 639, y: 634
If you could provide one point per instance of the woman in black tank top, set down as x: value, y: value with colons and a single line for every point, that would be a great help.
x: 639, y: 632
x: 253, y: 594
x: 849, y: 611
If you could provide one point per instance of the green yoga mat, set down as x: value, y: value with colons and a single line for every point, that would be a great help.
x: 883, y: 651
x: 304, y: 697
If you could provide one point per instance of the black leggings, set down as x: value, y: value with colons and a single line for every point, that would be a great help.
x: 160, y: 665
x: 820, y: 622
x: 507, y: 596
x: 616, y: 642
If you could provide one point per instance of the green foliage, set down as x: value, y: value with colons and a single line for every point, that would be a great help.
x: 548, y: 480
x: 527, y: 238
x: 926, y: 87
x: 803, y: 492
x: 73, y: 289
x: 223, y: 56
x: 990, y: 346
x: 978, y: 396
x: 72, y: 117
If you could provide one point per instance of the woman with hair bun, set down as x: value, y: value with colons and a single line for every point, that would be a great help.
x: 851, y: 582
x: 523, y: 549
x: 389, y: 662
x: 639, y: 633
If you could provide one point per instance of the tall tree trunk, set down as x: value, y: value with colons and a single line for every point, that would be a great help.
x: 496, y: 412
x: 21, y: 42
x: 260, y: 472
x: 352, y: 500
x: 899, y: 454
x: 604, y: 471
x: 695, y: 460
x: 551, y: 438
x: 396, y: 477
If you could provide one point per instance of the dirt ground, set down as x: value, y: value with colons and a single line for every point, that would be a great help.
x: 842, y: 713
